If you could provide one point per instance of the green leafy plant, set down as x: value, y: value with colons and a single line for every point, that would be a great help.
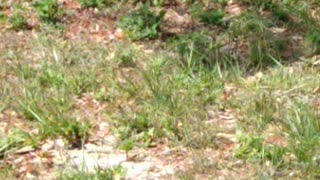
x: 48, y: 11
x: 250, y: 148
x: 142, y: 23
x: 51, y: 77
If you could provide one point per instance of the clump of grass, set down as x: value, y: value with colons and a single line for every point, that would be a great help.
x: 303, y: 127
x: 253, y: 149
x: 126, y: 57
x: 116, y: 172
x: 168, y: 102
x: 261, y: 110
x: 16, y: 139
x: 54, y: 121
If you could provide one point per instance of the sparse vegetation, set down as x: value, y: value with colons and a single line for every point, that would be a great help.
x: 232, y: 88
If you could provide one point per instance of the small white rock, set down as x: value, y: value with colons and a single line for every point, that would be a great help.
x: 109, y: 140
x: 59, y: 144
x: 30, y: 177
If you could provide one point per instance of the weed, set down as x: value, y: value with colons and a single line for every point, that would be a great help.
x: 48, y: 11
x: 17, y: 20
x: 142, y: 23
x: 127, y: 145
x: 116, y: 172
x: 125, y: 55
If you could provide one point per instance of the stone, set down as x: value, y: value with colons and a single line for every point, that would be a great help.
x: 135, y: 170
x: 109, y: 140
x: 111, y: 160
x: 59, y: 144
x: 86, y: 162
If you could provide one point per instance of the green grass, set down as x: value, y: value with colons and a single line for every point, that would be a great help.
x: 48, y: 11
